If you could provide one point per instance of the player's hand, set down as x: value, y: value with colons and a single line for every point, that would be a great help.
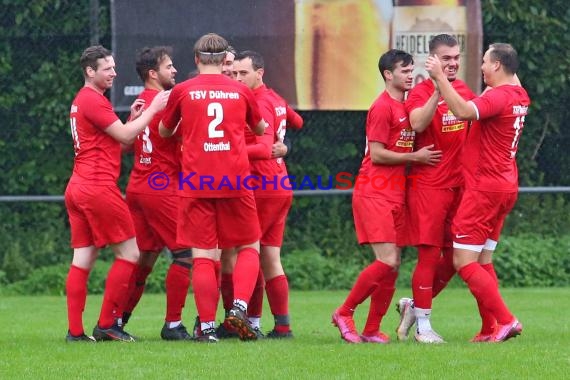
x: 427, y: 156
x: 159, y: 101
x: 137, y: 108
x: 434, y: 67
x: 278, y: 150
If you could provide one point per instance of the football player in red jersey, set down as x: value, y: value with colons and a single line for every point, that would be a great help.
x: 378, y: 198
x: 273, y: 192
x: 432, y: 201
x: 216, y: 210
x: 154, y: 205
x: 98, y: 214
x: 492, y: 186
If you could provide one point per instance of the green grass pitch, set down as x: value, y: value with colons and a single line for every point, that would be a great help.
x: 32, y: 343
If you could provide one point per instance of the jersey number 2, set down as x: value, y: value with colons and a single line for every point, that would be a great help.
x: 217, y: 111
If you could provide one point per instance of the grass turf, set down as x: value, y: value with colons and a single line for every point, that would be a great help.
x: 33, y: 330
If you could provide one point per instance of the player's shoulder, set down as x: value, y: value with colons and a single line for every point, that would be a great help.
x: 87, y: 95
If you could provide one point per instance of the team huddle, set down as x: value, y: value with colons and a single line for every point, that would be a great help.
x: 225, y: 124
x: 215, y: 234
x: 466, y: 182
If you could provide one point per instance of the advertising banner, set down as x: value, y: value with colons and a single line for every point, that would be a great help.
x: 319, y: 54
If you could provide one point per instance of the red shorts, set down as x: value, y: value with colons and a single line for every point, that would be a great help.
x: 272, y: 213
x: 429, y: 214
x: 154, y: 217
x: 481, y: 215
x: 378, y: 221
x: 98, y: 215
x: 209, y: 223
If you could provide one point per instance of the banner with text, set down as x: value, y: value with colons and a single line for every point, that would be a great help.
x: 319, y: 54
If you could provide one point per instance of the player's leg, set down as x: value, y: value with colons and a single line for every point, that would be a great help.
x: 177, y: 283
x: 472, y: 225
x: 227, y: 260
x: 84, y: 256
x: 272, y: 214
x: 197, y: 227
x: 238, y: 226
x: 76, y: 291
x: 429, y: 229
x: 255, y: 306
x: 138, y: 281
x: 380, y: 228
x: 379, y: 302
x: 488, y: 321
x: 277, y: 289
x: 206, y: 291
x: 146, y: 212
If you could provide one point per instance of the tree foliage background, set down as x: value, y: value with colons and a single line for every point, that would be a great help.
x: 40, y: 45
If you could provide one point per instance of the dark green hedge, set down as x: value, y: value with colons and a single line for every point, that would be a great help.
x: 525, y: 261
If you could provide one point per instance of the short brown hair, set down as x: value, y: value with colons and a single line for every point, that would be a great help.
x: 210, y: 49
x: 91, y: 55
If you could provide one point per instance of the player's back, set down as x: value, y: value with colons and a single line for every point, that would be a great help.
x: 213, y: 110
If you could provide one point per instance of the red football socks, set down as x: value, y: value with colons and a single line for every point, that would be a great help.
x: 380, y: 301
x: 444, y: 272
x: 245, y: 274
x: 177, y: 283
x: 423, y: 276
x: 278, y: 295
x: 488, y: 321
x: 116, y: 292
x: 227, y: 290
x: 486, y: 292
x: 136, y: 287
x: 76, y: 290
x: 205, y: 288
x: 365, y: 284
x: 255, y: 307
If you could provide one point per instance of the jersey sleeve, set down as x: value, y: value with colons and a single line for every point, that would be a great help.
x: 417, y: 98
x: 101, y: 113
x: 261, y: 149
x: 253, y: 116
x: 294, y: 120
x: 490, y: 104
x: 171, y: 113
x: 378, y: 124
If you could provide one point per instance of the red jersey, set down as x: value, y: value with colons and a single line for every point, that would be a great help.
x: 212, y: 110
x: 97, y: 154
x: 271, y: 178
x: 387, y: 123
x: 471, y: 154
x: 501, y: 111
x: 153, y: 154
x: 445, y: 132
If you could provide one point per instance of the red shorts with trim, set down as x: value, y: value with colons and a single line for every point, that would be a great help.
x: 98, y: 215
x: 155, y: 218
x: 481, y: 215
x: 378, y: 221
x: 209, y: 223
x: 272, y: 213
x: 429, y: 214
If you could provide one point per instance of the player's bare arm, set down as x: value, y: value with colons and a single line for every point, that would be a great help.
x: 126, y: 133
x: 460, y: 108
x: 382, y: 156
